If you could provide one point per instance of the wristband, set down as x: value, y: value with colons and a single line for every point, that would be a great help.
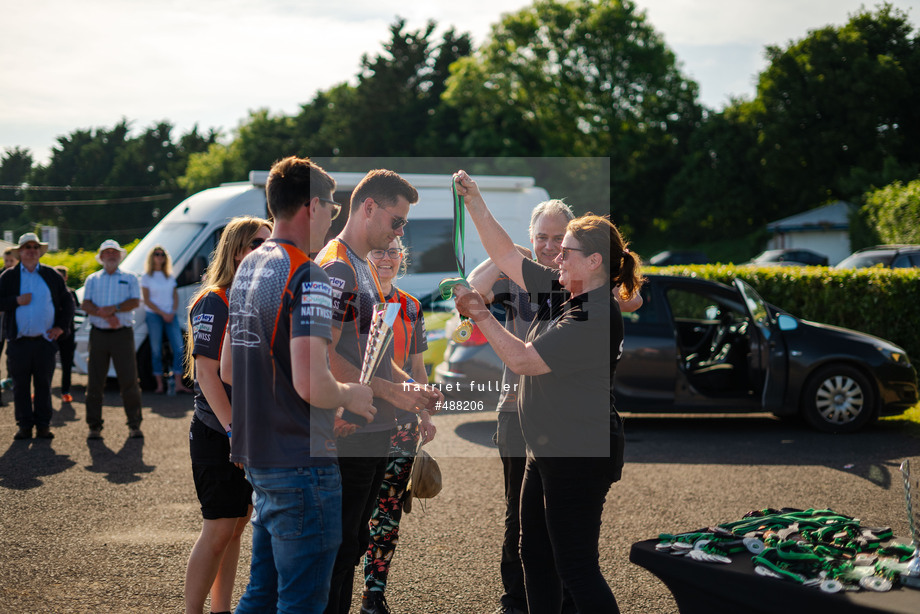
x: 410, y: 381
x: 228, y: 433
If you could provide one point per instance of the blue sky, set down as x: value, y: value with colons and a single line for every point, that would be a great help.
x: 66, y: 65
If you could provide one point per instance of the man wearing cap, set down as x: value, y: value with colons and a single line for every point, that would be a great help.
x: 38, y: 308
x: 109, y: 299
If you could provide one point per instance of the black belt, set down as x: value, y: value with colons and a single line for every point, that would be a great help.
x: 29, y: 337
x: 111, y: 330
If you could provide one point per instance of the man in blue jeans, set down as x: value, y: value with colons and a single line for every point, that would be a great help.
x: 284, y: 397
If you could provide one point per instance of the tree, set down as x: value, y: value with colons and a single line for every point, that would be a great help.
x: 394, y: 110
x: 581, y: 78
x: 131, y: 182
x: 894, y: 212
x: 15, y: 166
x: 718, y: 192
x: 836, y: 112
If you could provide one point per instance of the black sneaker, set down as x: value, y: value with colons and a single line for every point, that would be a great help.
x: 374, y: 603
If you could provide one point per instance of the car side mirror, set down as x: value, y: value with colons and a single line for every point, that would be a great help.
x: 787, y: 322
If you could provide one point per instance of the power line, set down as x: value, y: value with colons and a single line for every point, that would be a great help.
x: 107, y: 231
x: 99, y: 201
x: 73, y: 188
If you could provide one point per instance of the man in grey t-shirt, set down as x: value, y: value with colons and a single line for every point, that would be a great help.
x: 380, y: 207
x: 285, y: 397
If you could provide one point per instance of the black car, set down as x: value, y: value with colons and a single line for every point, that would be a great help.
x: 672, y: 257
x: 698, y: 345
x: 790, y: 256
x: 888, y: 256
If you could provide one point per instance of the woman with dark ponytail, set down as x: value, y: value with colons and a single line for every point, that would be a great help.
x: 598, y: 234
x: 565, y: 403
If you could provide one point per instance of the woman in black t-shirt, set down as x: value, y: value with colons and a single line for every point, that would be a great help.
x: 222, y: 489
x: 574, y: 435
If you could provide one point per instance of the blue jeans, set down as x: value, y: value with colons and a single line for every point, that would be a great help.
x: 296, y: 532
x: 155, y: 327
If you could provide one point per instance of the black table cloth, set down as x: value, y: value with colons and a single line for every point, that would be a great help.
x: 733, y: 588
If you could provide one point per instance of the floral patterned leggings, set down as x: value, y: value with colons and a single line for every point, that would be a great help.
x: 384, y: 523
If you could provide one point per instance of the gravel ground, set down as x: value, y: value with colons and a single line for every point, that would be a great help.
x: 107, y: 526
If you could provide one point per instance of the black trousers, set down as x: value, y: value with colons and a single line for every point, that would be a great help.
x: 513, y: 450
x: 363, y: 459
x: 67, y: 345
x: 30, y: 362
x: 561, y: 504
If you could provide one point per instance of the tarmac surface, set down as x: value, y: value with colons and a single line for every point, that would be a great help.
x: 107, y: 526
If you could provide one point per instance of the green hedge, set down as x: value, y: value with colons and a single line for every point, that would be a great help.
x: 881, y: 302
x: 80, y: 263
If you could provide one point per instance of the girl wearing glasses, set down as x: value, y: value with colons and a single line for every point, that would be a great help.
x: 161, y: 300
x: 567, y: 361
x: 223, y: 491
x: 409, y: 342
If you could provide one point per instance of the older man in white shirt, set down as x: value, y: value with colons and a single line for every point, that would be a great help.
x: 109, y: 299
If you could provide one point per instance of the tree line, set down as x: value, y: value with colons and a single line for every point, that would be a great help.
x: 834, y: 118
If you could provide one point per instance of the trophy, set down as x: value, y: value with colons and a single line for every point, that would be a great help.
x: 379, y: 337
x: 911, y: 577
x: 380, y: 334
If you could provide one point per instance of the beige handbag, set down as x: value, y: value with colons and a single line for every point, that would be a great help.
x: 424, y: 480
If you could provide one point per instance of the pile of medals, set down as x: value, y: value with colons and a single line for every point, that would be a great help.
x: 817, y: 548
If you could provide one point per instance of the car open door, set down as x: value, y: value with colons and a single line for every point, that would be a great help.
x: 768, y: 348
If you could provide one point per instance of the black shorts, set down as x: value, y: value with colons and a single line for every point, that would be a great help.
x: 221, y: 486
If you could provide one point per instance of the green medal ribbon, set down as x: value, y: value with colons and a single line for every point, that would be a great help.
x: 816, y: 548
x: 446, y: 287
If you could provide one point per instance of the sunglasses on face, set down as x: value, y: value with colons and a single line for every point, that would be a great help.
x: 393, y: 252
x: 31, y: 246
x: 255, y: 243
x: 398, y: 222
x: 159, y: 254
x: 566, y: 250
x: 336, y: 207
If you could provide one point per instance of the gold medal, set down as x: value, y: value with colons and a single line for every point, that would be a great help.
x: 463, y: 332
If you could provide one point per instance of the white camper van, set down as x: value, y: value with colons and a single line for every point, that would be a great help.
x: 191, y: 230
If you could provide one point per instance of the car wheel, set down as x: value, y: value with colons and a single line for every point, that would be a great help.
x: 838, y: 399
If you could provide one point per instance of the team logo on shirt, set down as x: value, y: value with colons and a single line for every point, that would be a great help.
x: 313, y: 286
x: 203, y: 317
x: 316, y: 299
x: 338, y: 283
x: 202, y: 327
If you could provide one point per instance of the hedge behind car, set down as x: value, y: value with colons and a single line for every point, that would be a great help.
x: 881, y: 302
